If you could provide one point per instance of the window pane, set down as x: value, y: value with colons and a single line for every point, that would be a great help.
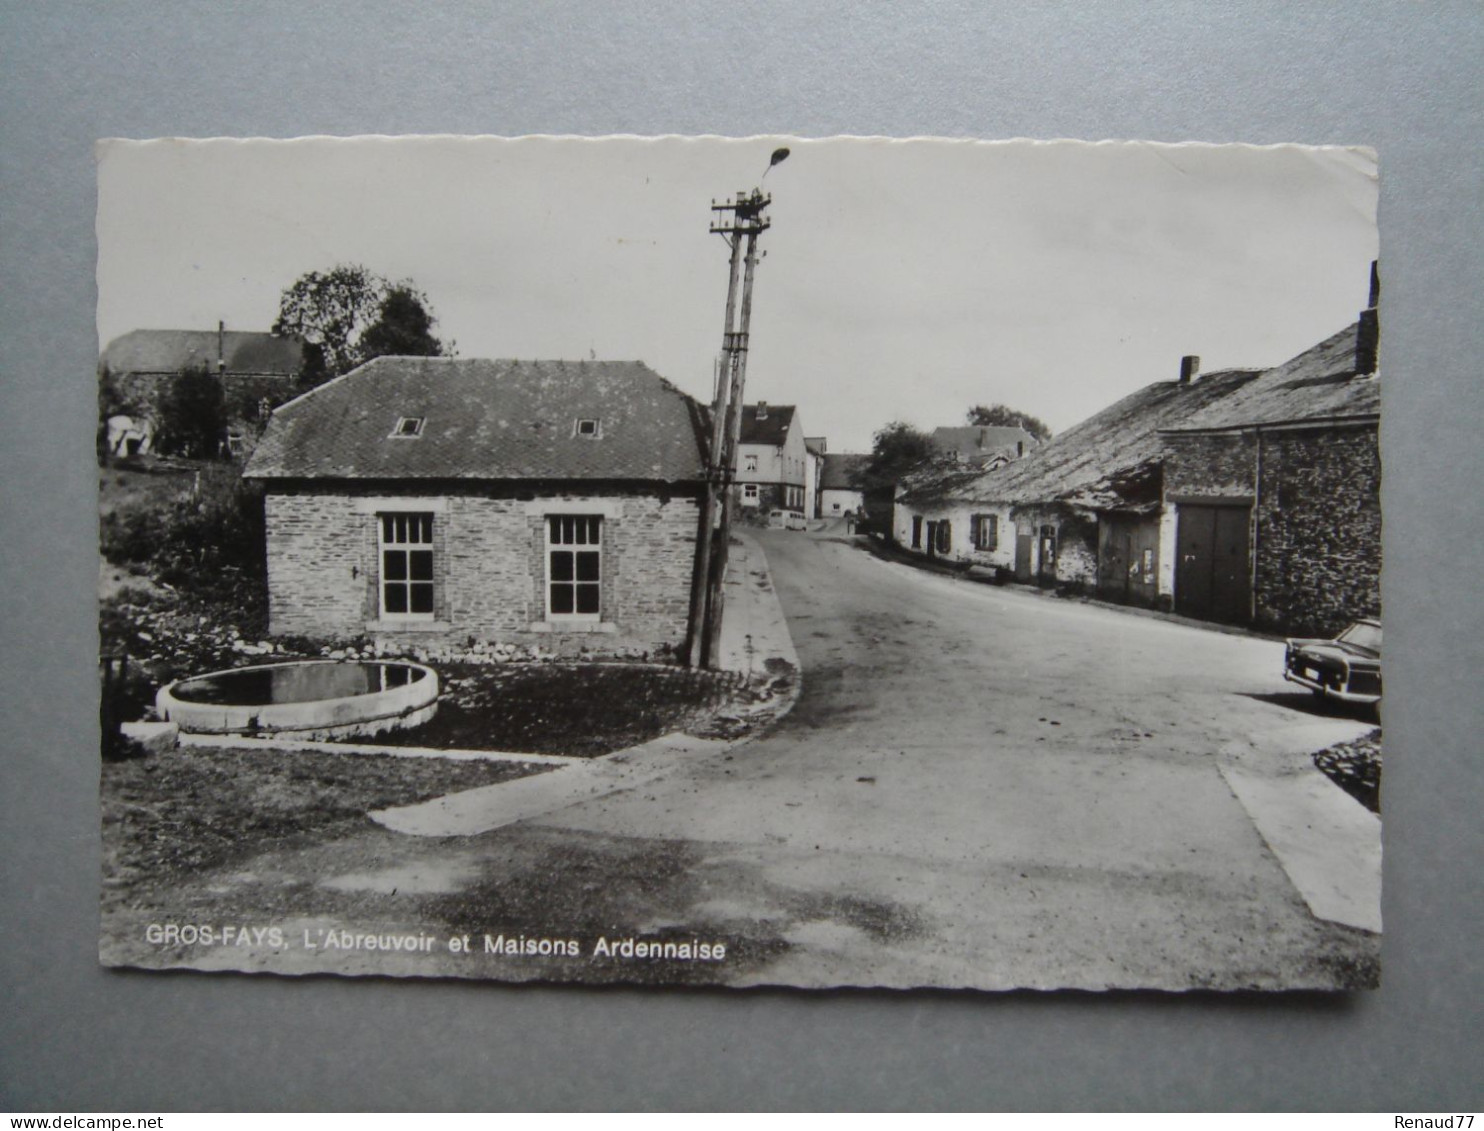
x: 386, y: 528
x: 561, y: 565
x: 422, y: 565
x: 561, y: 598
x: 394, y: 565
x: 587, y: 598
x: 587, y: 565
x: 422, y: 597
x: 396, y: 598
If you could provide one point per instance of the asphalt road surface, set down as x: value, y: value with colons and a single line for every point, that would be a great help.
x: 986, y: 787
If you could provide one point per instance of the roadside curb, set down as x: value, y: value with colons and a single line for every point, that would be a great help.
x: 755, y: 641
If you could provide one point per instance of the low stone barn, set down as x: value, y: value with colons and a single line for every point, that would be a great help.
x: 1275, y: 494
x: 443, y: 500
x: 1085, y: 510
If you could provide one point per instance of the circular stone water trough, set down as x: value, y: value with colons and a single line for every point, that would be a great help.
x: 303, y: 699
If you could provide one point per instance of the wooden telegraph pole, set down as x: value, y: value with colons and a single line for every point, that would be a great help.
x: 739, y: 221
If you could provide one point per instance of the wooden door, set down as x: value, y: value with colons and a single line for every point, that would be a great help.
x: 1213, y: 577
x: 1025, y: 542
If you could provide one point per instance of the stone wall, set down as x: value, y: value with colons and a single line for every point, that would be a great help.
x: 1318, y: 553
x: 1317, y: 529
x: 489, y: 567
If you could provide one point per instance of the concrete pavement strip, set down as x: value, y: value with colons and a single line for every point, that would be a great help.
x: 755, y: 633
x: 1327, y: 842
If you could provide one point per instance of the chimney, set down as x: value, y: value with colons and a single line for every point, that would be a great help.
x: 762, y: 410
x: 1368, y: 333
x: 1190, y: 366
x: 221, y: 351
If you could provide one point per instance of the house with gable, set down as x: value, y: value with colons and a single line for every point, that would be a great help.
x: 772, y: 460
x: 1085, y: 510
x: 982, y: 445
x: 839, y: 494
x: 1274, y: 493
x: 447, y: 499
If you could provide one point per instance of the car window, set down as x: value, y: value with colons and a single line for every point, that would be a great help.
x: 1363, y: 635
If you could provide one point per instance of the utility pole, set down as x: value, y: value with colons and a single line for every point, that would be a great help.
x: 739, y: 221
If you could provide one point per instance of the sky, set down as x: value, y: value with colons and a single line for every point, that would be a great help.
x: 902, y: 279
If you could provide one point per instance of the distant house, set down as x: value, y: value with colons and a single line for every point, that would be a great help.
x: 983, y: 445
x: 1084, y: 510
x: 1274, y: 493
x: 772, y: 460
x: 530, y: 502
x: 256, y: 370
x: 838, y: 493
x: 816, y: 447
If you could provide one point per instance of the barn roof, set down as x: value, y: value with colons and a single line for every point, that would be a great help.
x: 1320, y: 385
x: 1110, y: 461
x: 169, y: 351
x: 480, y: 419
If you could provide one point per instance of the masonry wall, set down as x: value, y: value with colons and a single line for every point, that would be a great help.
x: 960, y: 517
x: 1318, y: 555
x: 489, y: 567
x: 1316, y: 539
x: 1076, y: 544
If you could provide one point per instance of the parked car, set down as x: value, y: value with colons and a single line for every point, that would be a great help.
x: 796, y: 521
x: 1347, y: 667
x: 777, y: 518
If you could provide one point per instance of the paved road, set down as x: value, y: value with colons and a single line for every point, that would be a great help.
x: 992, y: 788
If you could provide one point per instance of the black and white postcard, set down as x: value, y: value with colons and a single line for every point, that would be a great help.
x: 741, y: 562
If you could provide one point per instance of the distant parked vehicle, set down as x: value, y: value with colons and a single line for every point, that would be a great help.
x: 1347, y: 668
x: 796, y: 521
x: 778, y: 518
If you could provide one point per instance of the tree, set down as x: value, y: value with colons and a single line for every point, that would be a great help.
x: 349, y: 314
x: 403, y: 326
x: 193, y: 416
x: 1002, y: 416
x: 895, y: 450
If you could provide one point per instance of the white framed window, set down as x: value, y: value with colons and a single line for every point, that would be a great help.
x: 986, y: 531
x: 408, y: 428
x: 749, y: 495
x: 574, y: 566
x: 407, y: 587
x: 749, y: 463
x: 588, y: 429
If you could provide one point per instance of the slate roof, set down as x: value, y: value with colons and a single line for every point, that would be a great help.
x: 1320, y: 385
x: 486, y: 420
x: 169, y: 351
x: 1111, y: 461
x: 772, y: 430
x: 838, y: 469
x: 981, y: 441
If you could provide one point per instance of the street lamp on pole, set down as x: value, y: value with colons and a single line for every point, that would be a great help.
x: 739, y: 221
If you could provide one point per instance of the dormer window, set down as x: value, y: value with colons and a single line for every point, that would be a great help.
x: 408, y: 428
x: 588, y: 429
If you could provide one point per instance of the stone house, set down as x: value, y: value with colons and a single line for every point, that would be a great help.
x: 1083, y: 511
x: 448, y: 500
x: 772, y: 461
x: 1274, y: 494
x: 256, y: 370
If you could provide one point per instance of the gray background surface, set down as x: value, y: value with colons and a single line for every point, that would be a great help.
x: 1400, y: 77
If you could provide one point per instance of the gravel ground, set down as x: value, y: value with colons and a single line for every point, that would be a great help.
x: 1356, y: 768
